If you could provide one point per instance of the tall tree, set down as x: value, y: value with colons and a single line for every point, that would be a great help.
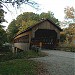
x: 3, y: 36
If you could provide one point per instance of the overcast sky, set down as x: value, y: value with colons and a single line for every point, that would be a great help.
x: 55, y: 6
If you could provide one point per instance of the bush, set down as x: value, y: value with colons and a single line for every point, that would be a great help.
x: 72, y: 49
x: 5, y: 48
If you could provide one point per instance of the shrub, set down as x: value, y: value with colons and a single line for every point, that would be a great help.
x: 5, y: 48
x: 72, y: 49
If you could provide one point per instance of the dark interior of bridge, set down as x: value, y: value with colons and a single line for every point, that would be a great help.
x: 46, y: 37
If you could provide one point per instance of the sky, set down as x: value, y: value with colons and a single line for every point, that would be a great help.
x: 55, y: 6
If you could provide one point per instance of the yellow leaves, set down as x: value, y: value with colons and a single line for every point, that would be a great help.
x: 72, y: 28
x: 69, y: 12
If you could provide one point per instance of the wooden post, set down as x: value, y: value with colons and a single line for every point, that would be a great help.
x: 16, y: 50
x: 40, y: 45
x: 13, y: 49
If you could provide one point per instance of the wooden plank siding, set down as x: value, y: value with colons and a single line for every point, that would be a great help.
x: 46, y: 25
x: 23, y: 45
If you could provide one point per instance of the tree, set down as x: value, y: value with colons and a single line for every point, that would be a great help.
x: 71, y: 29
x: 69, y: 16
x: 3, y: 37
x: 15, y: 3
x: 69, y: 24
x: 12, y: 30
x: 49, y: 15
x: 69, y: 13
x: 70, y: 32
x: 62, y: 36
x: 1, y: 13
x: 22, y: 19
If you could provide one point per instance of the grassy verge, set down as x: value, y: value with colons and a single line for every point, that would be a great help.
x: 18, y: 67
x: 19, y: 63
x: 21, y: 55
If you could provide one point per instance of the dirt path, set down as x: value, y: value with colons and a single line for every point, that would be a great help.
x: 58, y: 62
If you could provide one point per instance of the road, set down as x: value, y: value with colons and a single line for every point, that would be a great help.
x: 58, y: 62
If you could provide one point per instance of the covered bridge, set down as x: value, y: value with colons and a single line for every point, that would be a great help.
x: 45, y: 34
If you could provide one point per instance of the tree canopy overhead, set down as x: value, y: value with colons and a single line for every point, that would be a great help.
x: 15, y: 3
x: 18, y: 3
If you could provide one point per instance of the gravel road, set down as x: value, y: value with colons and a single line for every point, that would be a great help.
x: 58, y: 62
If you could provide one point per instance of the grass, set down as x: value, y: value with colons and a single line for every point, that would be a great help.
x: 21, y: 55
x: 18, y: 67
x: 19, y: 63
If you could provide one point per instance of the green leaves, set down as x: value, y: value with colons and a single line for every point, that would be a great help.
x: 12, y: 30
x: 2, y: 35
x: 1, y: 13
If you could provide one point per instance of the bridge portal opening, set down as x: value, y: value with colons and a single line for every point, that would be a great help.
x: 46, y: 38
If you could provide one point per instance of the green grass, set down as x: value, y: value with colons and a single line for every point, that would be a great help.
x: 18, y: 67
x: 19, y: 63
x: 21, y: 55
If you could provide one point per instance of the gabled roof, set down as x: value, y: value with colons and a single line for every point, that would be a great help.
x: 29, y: 28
